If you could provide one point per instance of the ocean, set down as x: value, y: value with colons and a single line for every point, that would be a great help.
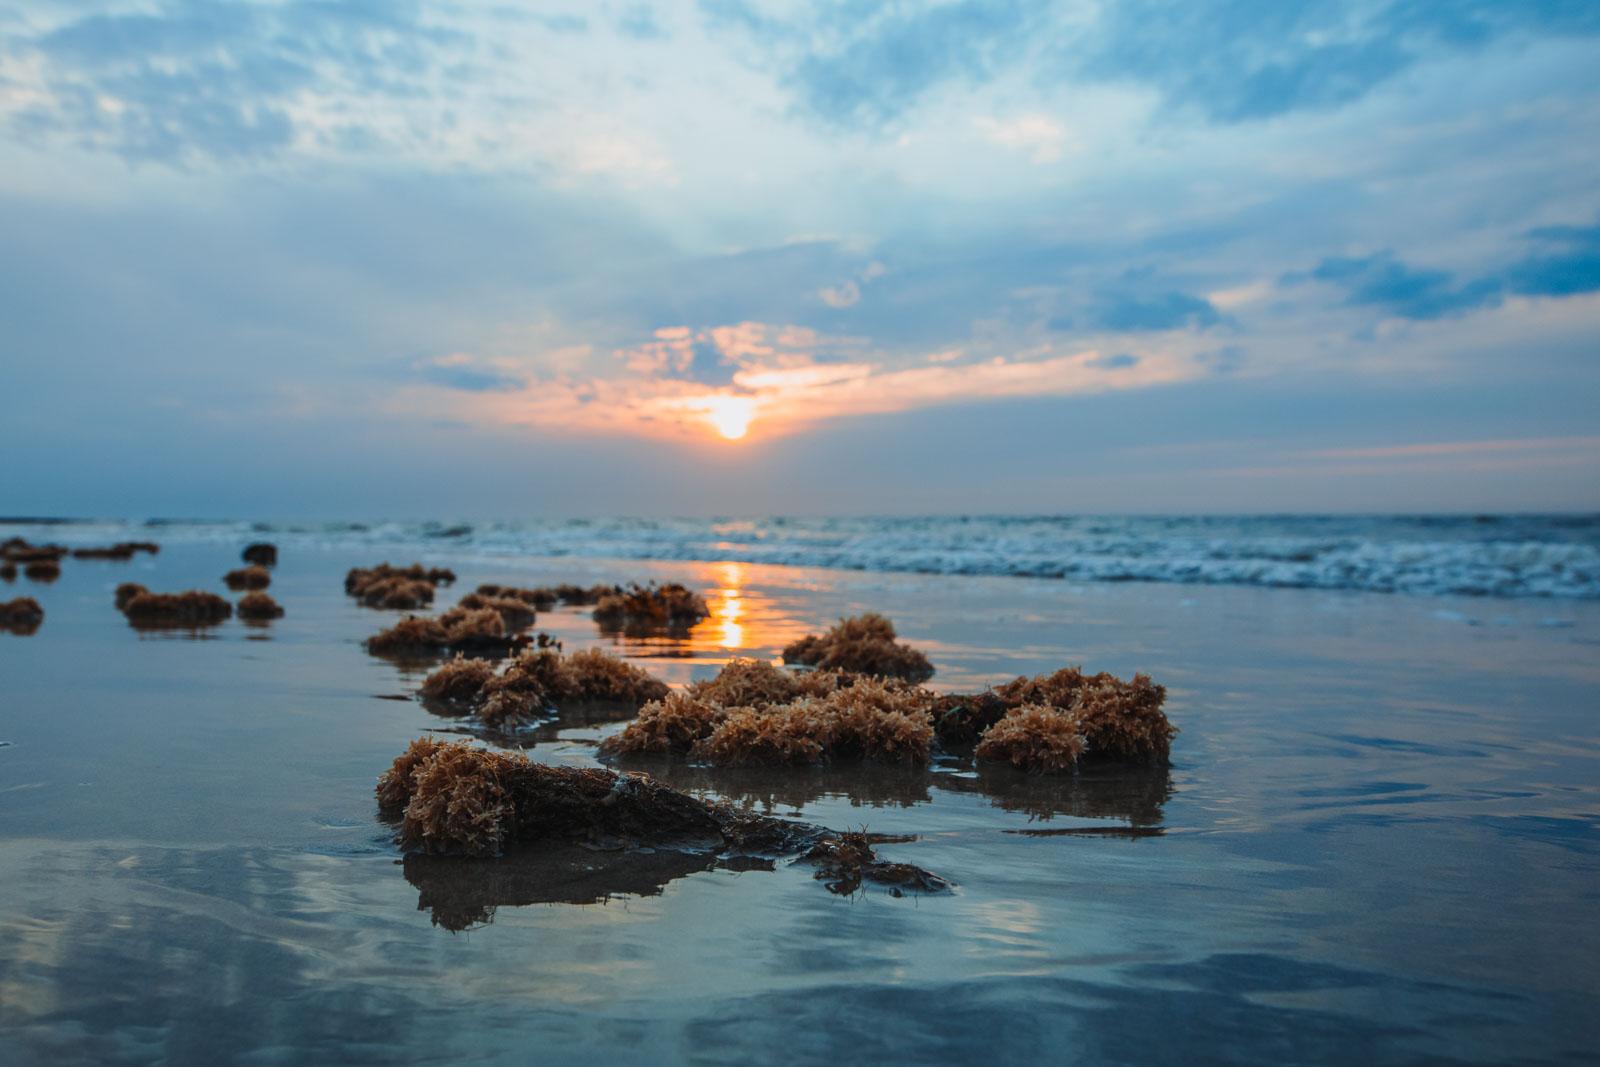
x: 1479, y: 555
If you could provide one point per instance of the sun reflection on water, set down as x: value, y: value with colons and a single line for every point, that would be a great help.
x: 728, y: 608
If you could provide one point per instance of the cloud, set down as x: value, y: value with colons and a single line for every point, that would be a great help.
x: 1245, y: 60
x: 841, y: 296
x: 195, y: 78
x: 1120, y: 361
x: 1133, y: 305
x: 1231, y: 62
x: 639, y: 23
x: 884, y: 59
x: 461, y: 372
x: 1169, y: 310
x: 1566, y: 263
x: 1383, y: 281
x: 1042, y: 137
x: 1455, y: 448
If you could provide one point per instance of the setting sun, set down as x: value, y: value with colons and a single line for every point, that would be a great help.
x: 731, y: 415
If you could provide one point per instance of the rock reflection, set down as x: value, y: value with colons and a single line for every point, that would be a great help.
x: 461, y: 892
x: 1134, y: 794
x: 772, y: 788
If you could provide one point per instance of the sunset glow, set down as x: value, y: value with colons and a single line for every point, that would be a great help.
x: 730, y: 415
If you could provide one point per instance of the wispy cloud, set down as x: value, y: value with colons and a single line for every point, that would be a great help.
x: 1458, y: 448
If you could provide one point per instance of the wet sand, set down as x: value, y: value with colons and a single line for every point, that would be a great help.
x: 1379, y: 840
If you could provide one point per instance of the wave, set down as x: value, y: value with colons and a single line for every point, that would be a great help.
x: 1486, y: 555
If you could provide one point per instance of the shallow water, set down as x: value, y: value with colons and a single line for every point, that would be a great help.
x: 1377, y: 841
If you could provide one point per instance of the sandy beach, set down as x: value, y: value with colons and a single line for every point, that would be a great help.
x: 1376, y: 839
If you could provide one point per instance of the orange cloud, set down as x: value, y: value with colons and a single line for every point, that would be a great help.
x: 779, y: 385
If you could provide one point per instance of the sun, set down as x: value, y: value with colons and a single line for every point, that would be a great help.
x: 730, y: 415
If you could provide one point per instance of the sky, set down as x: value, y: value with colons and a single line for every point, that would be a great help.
x: 317, y: 258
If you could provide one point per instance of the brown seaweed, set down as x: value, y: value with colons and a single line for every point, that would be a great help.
x: 397, y: 594
x: 844, y: 861
x: 261, y: 553
x: 756, y: 683
x: 193, y: 608
x: 755, y: 713
x: 864, y: 644
x: 399, y: 588
x: 122, y: 550
x: 126, y: 592
x: 646, y: 609
x: 452, y: 797
x: 960, y: 719
x: 8, y: 571
x: 871, y: 719
x: 582, y: 596
x: 1119, y: 720
x: 21, y: 616
x: 536, y: 682
x: 516, y: 613
x: 18, y: 550
x: 540, y: 599
x: 42, y: 570
x: 259, y: 607
x: 1035, y: 737
x: 251, y: 577
x: 480, y: 632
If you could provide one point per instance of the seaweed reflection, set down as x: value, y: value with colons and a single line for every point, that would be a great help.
x: 461, y: 892
x: 1132, y: 794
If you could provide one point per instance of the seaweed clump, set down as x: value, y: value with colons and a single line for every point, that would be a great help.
x: 642, y: 609
x: 259, y: 607
x: 251, y: 577
x: 582, y: 596
x: 1035, y: 737
x: 42, y: 570
x: 516, y: 613
x: 960, y: 719
x: 745, y: 682
x: 261, y: 553
x: 753, y: 713
x: 8, y: 571
x: 535, y: 682
x: 122, y: 550
x: 540, y: 599
x: 400, y: 588
x: 844, y: 861
x: 19, y: 550
x: 452, y: 797
x: 194, y: 608
x: 864, y: 644
x: 1119, y: 720
x: 21, y: 616
x: 871, y: 719
x: 481, y: 632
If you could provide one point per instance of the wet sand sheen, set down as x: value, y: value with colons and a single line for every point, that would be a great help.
x: 1376, y: 840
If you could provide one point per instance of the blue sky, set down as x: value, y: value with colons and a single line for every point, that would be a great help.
x: 315, y: 258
